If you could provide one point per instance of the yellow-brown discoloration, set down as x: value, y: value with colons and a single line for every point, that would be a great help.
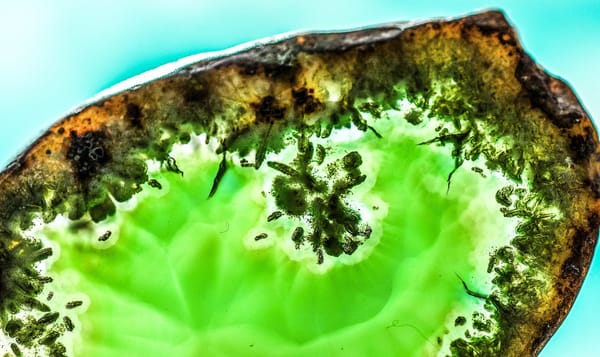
x: 224, y: 99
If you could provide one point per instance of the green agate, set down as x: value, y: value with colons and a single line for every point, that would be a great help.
x: 415, y: 189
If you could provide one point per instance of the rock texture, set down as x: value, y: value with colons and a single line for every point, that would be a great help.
x: 493, y: 103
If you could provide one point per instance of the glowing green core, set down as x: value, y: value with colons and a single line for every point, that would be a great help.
x: 183, y: 279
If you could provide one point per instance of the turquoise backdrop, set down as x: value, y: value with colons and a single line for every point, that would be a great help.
x: 55, y: 54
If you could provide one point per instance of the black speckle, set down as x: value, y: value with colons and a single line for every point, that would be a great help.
x: 185, y: 138
x: 171, y: 165
x: 460, y: 321
x: 570, y: 268
x: 300, y: 96
x: 154, y: 183
x: 277, y: 72
x: 195, y: 94
x: 593, y: 221
x: 61, y: 130
x: 275, y: 215
x: 48, y: 152
x: 268, y: 110
x: 506, y: 38
x: 68, y: 323
x: 87, y: 153
x: 284, y: 73
x: 218, y: 177
x: 261, y: 236
x: 73, y: 304
x: 134, y: 115
x: 573, y: 266
x: 248, y: 69
x: 582, y: 146
x: 104, y: 237
x: 486, y: 29
x: 594, y: 184
x: 304, y: 99
x: 48, y: 318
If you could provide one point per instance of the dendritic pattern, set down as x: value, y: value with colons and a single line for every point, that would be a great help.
x: 320, y: 200
x: 468, y: 77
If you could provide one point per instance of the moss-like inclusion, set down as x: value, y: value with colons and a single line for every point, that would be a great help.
x: 181, y: 263
x: 467, y: 84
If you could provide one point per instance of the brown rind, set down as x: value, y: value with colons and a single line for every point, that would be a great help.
x: 124, y: 118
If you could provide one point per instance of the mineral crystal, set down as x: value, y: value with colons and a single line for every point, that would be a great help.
x: 411, y: 189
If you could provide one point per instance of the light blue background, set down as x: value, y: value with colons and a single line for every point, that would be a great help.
x: 55, y: 54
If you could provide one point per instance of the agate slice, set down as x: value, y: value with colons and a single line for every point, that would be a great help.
x: 414, y: 189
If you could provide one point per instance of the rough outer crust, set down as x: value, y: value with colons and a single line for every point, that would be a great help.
x: 124, y: 117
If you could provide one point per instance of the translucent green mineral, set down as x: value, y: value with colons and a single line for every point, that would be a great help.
x: 417, y: 189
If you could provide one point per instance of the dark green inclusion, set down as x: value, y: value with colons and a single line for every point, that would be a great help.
x: 226, y: 295
x: 335, y: 227
x: 452, y: 159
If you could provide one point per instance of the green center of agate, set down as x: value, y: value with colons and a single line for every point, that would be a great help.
x: 181, y: 274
